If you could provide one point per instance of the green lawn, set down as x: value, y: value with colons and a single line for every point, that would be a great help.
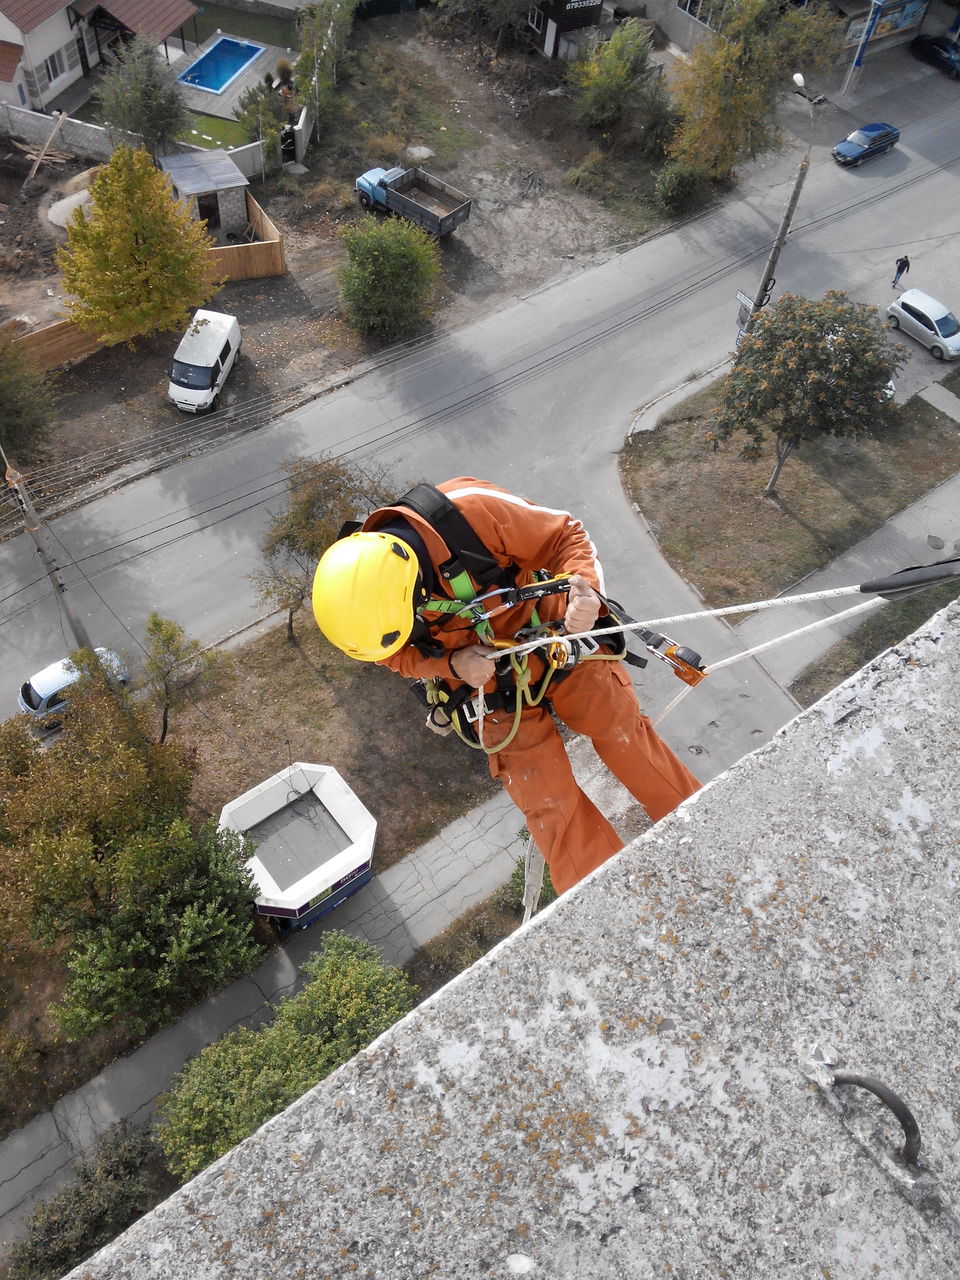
x: 205, y: 131
x: 209, y: 131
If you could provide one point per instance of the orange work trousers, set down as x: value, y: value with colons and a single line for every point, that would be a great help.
x: 597, y: 700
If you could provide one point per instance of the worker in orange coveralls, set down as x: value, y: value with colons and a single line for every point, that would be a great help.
x: 407, y: 590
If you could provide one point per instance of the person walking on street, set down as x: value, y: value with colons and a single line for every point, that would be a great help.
x: 901, y: 269
x: 402, y: 593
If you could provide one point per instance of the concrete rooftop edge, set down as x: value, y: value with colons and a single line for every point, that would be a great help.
x: 620, y: 1088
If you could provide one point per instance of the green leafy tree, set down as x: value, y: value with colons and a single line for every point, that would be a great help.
x: 388, y: 282
x: 175, y: 665
x: 232, y: 1087
x: 606, y: 80
x: 728, y: 90
x: 181, y: 927
x: 70, y: 810
x: 137, y: 262
x: 324, y: 32
x: 109, y: 1192
x: 323, y: 494
x: 139, y: 94
x: 262, y: 115
x: 808, y: 369
x: 27, y: 403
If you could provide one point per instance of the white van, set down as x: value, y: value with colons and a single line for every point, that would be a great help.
x: 205, y: 356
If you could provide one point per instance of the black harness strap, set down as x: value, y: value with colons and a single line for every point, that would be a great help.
x: 467, y: 552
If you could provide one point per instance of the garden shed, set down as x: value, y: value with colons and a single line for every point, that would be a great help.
x: 213, y: 187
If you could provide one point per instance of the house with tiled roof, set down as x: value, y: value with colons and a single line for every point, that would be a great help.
x: 47, y: 45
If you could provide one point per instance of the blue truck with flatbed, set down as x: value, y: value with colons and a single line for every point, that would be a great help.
x: 416, y: 195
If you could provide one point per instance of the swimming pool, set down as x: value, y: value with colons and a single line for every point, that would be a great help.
x: 220, y: 65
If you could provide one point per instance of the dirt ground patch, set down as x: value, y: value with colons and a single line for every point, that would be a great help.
x: 307, y: 701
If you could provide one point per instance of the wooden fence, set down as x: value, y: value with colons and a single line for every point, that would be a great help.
x: 59, y: 343
x: 263, y: 256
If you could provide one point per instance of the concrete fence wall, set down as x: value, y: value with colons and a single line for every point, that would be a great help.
x: 73, y: 135
x: 302, y: 130
x: 248, y: 159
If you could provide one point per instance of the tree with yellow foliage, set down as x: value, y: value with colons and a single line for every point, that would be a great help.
x: 136, y: 263
x: 727, y: 91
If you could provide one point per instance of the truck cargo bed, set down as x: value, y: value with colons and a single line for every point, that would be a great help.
x: 432, y: 200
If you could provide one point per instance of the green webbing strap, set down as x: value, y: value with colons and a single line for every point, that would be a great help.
x: 461, y: 606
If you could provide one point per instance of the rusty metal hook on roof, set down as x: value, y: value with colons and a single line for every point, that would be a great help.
x: 911, y: 1130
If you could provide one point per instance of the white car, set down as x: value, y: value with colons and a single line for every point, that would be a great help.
x: 46, y: 693
x: 927, y: 320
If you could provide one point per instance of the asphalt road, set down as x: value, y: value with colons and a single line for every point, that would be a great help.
x: 537, y: 397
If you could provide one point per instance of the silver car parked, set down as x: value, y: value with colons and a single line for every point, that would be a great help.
x: 46, y: 693
x: 927, y: 320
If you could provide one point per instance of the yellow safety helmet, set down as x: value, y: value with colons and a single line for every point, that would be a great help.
x: 364, y: 594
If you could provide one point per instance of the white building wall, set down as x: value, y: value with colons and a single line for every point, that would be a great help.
x: 51, y: 37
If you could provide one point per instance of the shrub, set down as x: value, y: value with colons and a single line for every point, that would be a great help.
x: 388, y: 282
x: 110, y: 1192
x: 383, y: 149
x: 590, y: 175
x: 331, y: 194
x: 678, y: 188
x: 233, y: 1086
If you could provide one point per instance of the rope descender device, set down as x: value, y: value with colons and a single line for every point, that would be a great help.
x: 685, y: 662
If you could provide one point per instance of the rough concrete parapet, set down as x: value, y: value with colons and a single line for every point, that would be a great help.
x: 629, y: 1087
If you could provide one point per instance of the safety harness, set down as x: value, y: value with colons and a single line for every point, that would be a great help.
x: 459, y: 709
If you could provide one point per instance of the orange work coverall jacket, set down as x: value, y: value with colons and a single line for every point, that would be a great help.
x: 596, y: 698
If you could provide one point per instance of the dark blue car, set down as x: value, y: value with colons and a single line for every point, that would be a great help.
x: 864, y: 143
x: 940, y: 51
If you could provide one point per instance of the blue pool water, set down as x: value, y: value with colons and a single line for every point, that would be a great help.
x: 220, y: 65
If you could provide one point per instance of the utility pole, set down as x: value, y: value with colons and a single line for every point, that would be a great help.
x: 36, y: 530
x: 768, y: 279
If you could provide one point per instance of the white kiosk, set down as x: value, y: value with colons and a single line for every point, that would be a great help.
x: 314, y: 842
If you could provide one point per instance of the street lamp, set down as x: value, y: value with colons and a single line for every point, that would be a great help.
x: 801, y: 84
x: 868, y: 29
